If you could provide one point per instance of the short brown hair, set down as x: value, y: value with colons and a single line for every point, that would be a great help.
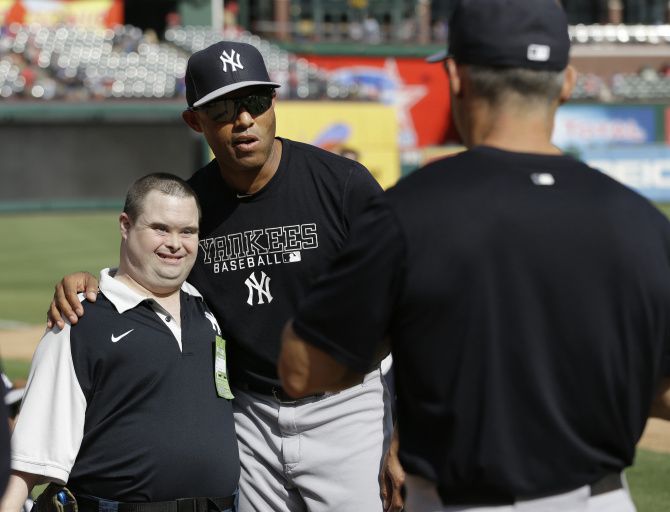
x: 163, y: 182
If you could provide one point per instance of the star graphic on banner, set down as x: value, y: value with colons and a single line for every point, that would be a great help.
x: 403, y: 97
x: 386, y: 85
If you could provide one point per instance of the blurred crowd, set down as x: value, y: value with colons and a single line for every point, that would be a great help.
x: 78, y: 64
x: 73, y: 63
x: 631, y: 12
x: 648, y: 84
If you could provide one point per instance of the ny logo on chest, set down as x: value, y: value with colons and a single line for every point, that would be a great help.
x: 262, y: 289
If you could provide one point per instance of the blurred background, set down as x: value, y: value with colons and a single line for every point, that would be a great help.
x: 91, y: 90
x: 91, y: 95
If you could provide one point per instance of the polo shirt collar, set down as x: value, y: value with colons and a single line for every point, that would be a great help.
x: 123, y: 297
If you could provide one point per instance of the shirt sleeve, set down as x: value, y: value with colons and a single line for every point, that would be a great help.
x: 360, y: 188
x: 347, y: 312
x: 50, y: 426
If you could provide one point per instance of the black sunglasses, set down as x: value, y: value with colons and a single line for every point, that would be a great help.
x: 224, y: 111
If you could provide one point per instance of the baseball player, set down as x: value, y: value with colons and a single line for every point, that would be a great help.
x: 123, y: 405
x: 275, y: 212
x: 525, y: 294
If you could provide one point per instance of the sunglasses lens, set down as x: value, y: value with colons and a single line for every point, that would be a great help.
x: 256, y: 104
x: 221, y: 111
x: 224, y: 111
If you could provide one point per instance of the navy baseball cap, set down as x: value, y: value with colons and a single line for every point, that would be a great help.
x: 531, y: 34
x: 223, y: 68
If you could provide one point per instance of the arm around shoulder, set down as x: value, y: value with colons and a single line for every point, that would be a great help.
x: 66, y: 303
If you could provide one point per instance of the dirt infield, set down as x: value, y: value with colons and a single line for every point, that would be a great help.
x: 21, y: 343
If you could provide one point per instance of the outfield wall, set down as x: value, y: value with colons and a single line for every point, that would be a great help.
x: 68, y: 156
x: 61, y: 164
x: 65, y: 155
x: 55, y: 156
x: 630, y: 143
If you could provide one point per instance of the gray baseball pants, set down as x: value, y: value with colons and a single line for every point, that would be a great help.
x: 316, y: 454
x: 422, y: 497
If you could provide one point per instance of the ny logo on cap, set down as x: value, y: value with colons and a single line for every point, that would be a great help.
x: 539, y: 52
x: 230, y: 59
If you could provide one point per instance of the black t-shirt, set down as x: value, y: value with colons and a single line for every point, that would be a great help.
x: 259, y: 254
x: 527, y: 300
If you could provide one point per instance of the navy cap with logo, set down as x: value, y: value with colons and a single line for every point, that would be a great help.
x: 531, y: 34
x: 222, y: 68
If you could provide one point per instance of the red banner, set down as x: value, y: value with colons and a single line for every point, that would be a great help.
x: 418, y: 91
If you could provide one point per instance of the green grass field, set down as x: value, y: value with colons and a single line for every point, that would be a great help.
x: 38, y: 249
x: 665, y: 208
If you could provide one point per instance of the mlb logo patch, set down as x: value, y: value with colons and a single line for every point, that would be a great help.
x: 543, y: 179
x: 539, y: 52
x: 291, y: 257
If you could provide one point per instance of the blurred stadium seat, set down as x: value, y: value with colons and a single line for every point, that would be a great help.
x: 75, y: 63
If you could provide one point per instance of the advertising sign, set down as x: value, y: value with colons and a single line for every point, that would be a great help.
x: 87, y: 13
x: 642, y: 168
x: 366, y: 132
x: 580, y: 126
x: 417, y: 91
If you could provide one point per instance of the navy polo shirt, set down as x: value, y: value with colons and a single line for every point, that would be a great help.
x: 123, y: 405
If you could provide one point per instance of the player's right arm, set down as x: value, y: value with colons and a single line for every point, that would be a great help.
x: 66, y: 303
x: 19, y: 486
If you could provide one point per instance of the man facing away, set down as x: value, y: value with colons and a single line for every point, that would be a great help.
x: 275, y: 212
x: 128, y: 406
x: 525, y: 294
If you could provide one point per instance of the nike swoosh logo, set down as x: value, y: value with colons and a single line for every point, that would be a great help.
x: 117, y: 338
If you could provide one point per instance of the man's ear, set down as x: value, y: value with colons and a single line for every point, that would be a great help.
x: 454, y: 76
x: 192, y: 119
x: 568, y: 84
x: 124, y: 225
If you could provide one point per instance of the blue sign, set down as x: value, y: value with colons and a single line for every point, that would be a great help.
x: 645, y: 169
x: 581, y: 126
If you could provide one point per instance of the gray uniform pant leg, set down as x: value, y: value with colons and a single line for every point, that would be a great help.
x: 422, y: 497
x: 317, y: 454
